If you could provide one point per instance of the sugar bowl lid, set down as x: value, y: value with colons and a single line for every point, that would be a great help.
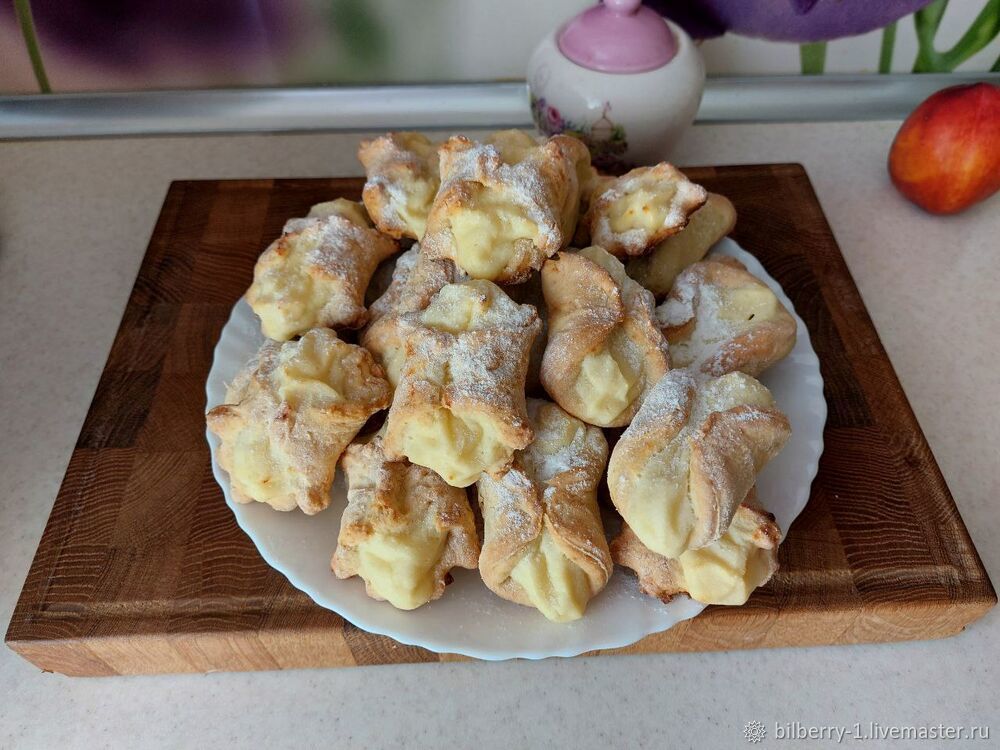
x: 618, y: 36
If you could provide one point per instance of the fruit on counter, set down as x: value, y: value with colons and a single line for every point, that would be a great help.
x: 946, y: 156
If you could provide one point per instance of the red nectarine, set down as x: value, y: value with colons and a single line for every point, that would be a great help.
x: 946, y: 156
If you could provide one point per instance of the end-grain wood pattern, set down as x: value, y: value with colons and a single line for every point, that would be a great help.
x: 142, y: 568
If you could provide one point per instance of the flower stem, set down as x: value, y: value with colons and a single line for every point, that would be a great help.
x: 23, y: 10
x: 983, y: 30
x: 812, y: 56
x: 885, y: 53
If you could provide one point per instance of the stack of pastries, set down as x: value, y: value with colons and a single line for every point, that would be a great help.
x: 526, y: 382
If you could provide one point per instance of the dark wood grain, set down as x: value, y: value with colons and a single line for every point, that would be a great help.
x: 142, y: 568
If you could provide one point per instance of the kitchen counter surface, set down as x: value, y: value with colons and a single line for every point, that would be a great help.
x: 75, y: 217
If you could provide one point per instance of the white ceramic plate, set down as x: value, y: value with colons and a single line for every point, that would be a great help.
x: 469, y: 619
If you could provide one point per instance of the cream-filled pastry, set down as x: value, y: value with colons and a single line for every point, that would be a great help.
x: 726, y: 571
x: 505, y: 204
x: 316, y: 273
x: 543, y: 541
x: 403, y: 529
x: 709, y: 224
x: 721, y: 318
x: 691, y: 455
x: 640, y: 209
x: 402, y: 180
x: 604, y: 350
x: 290, y: 413
x: 530, y: 293
x: 459, y: 404
x: 415, y: 280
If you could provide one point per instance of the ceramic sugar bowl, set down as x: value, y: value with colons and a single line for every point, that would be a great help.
x: 621, y: 78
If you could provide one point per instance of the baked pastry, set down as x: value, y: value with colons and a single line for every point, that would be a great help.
x: 604, y: 351
x: 402, y: 180
x: 543, y: 542
x: 530, y: 293
x: 290, y: 413
x: 725, y: 572
x: 691, y: 455
x: 415, y: 280
x: 315, y: 274
x: 720, y: 318
x: 506, y: 204
x: 709, y: 224
x: 592, y: 184
x: 403, y: 528
x: 459, y: 404
x: 640, y: 209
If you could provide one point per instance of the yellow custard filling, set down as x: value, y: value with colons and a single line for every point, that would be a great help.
x: 414, y: 211
x: 399, y: 567
x: 352, y: 211
x: 748, y: 303
x: 728, y: 570
x: 514, y: 145
x: 660, y: 511
x: 555, y: 586
x: 607, y: 383
x: 487, y: 233
x: 392, y: 358
x: 255, y: 471
x: 642, y: 208
x: 287, y: 299
x: 459, y: 447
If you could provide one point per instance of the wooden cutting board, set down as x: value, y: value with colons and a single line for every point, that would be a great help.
x: 142, y: 568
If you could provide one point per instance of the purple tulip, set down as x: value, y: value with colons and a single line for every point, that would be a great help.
x: 784, y: 20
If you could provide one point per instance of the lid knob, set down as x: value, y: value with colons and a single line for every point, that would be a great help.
x: 618, y: 36
x: 623, y: 7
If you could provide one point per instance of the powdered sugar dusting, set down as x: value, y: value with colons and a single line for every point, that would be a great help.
x: 543, y: 463
x: 686, y: 198
x: 479, y: 361
x: 399, y: 168
x: 709, y: 330
x: 691, y: 299
x: 521, y: 182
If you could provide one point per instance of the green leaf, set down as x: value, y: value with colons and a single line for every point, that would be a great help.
x: 813, y: 58
x: 981, y: 32
x: 359, y: 30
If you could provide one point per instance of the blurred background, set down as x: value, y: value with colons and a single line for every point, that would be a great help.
x: 106, y: 45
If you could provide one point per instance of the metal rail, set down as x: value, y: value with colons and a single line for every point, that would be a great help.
x: 429, y: 106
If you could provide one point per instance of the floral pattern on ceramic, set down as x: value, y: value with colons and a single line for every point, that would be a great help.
x: 605, y: 138
x: 626, y: 119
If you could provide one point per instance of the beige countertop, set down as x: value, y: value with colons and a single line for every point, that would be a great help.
x: 75, y: 217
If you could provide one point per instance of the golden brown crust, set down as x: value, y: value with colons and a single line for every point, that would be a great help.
x: 508, y: 179
x: 592, y: 311
x: 415, y: 281
x: 288, y: 415
x: 530, y: 293
x: 660, y: 577
x: 552, y: 487
x: 316, y: 273
x: 397, y: 499
x: 657, y: 270
x: 633, y: 213
x: 705, y: 441
x: 402, y: 180
x: 720, y: 318
x: 467, y: 355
